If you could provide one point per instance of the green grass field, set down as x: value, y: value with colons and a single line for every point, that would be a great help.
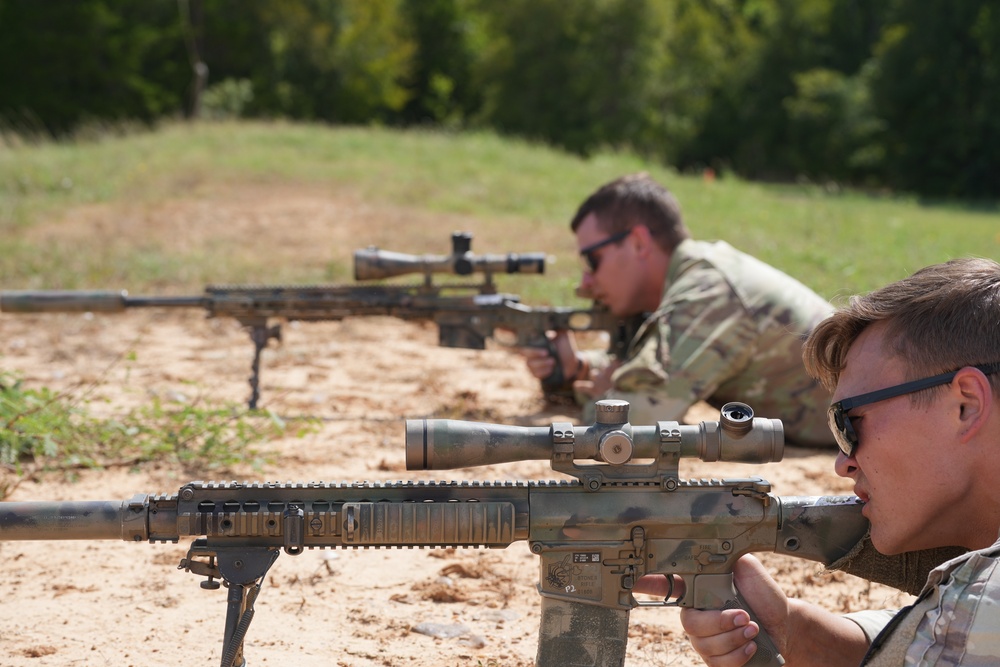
x: 522, y: 194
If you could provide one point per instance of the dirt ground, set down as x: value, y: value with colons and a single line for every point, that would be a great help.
x: 120, y: 604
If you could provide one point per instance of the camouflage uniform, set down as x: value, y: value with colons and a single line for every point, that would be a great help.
x: 955, y: 621
x: 729, y: 328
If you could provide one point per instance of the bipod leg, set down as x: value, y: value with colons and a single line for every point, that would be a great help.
x: 260, y: 334
x: 243, y: 572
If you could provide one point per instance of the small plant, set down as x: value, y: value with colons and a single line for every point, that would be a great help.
x: 44, y: 431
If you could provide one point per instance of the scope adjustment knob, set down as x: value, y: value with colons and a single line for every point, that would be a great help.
x: 611, y: 411
x: 615, y: 448
x: 736, y: 418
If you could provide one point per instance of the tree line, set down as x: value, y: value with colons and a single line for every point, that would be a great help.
x: 897, y: 94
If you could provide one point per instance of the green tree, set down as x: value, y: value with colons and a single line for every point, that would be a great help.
x: 937, y: 86
x: 334, y: 60
x: 713, y: 47
x: 579, y: 75
x: 790, y: 97
x: 63, y: 62
x: 833, y: 128
x: 449, y: 38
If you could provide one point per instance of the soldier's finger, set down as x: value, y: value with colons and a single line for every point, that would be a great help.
x: 541, y: 367
x: 721, y: 638
x: 534, y: 352
x: 565, y: 346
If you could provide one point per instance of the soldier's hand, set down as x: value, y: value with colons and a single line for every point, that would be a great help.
x: 598, y: 384
x: 542, y: 364
x: 724, y: 638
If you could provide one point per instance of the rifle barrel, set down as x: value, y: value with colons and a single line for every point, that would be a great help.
x: 63, y: 520
x: 86, y: 301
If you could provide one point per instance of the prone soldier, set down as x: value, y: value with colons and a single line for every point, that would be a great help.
x: 722, y: 326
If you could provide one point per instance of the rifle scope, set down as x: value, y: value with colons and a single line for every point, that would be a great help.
x: 373, y: 264
x: 443, y: 444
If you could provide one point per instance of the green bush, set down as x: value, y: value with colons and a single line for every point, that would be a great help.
x: 44, y: 431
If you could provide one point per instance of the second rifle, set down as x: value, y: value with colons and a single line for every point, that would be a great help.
x: 467, y: 314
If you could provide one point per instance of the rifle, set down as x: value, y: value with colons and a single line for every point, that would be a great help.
x: 466, y: 313
x: 627, y: 513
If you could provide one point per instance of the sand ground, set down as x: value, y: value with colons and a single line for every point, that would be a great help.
x: 120, y: 604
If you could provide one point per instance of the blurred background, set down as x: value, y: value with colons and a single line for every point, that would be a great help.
x: 900, y: 95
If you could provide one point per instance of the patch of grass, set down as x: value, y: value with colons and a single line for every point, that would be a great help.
x: 514, y: 195
x: 41, y: 431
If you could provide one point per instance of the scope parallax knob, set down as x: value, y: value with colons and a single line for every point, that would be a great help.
x: 611, y: 411
x: 616, y: 448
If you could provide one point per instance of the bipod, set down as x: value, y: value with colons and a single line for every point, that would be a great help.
x: 260, y: 334
x: 242, y: 570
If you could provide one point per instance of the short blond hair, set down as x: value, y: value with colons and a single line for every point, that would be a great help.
x: 942, y: 318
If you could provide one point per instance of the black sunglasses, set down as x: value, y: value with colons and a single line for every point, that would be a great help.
x: 840, y: 421
x: 590, y: 259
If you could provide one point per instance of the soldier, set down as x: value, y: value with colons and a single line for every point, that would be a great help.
x: 916, y: 379
x: 723, y: 327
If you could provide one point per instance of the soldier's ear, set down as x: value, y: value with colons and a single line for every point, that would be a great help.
x: 642, y: 238
x: 973, y: 400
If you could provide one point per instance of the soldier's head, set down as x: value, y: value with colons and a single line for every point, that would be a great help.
x: 943, y: 317
x: 635, y: 199
x: 626, y: 232
x: 915, y: 371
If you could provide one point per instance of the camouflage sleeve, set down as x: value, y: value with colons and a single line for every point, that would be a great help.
x: 963, y: 627
x: 703, y: 336
x: 648, y: 408
x: 598, y: 359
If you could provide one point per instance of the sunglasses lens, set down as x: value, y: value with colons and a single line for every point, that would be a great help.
x: 588, y: 256
x: 843, y: 432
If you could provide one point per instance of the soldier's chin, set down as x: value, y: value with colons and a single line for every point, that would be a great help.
x: 885, y: 544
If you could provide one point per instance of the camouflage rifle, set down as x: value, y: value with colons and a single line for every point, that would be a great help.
x: 466, y: 314
x: 627, y: 513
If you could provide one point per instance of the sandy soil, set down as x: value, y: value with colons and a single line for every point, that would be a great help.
x: 115, y: 603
